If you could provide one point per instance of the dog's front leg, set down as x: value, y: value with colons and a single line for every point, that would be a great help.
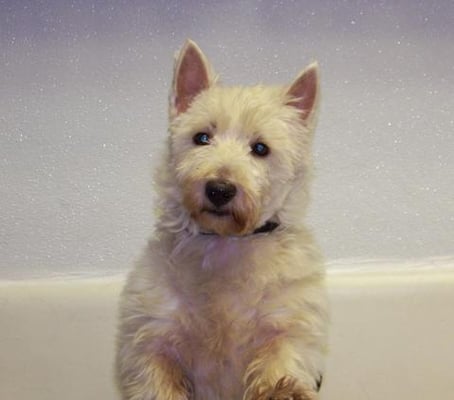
x: 278, y: 372
x: 145, y: 374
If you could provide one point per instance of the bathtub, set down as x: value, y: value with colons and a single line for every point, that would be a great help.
x: 392, y: 334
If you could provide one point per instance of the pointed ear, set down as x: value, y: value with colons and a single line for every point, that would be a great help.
x: 304, y: 91
x: 192, y: 75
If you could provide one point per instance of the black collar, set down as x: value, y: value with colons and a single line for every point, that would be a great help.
x: 268, y: 227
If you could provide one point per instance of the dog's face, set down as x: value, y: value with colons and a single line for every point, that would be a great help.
x: 238, y: 152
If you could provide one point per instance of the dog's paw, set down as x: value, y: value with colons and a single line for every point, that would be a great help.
x: 286, y: 388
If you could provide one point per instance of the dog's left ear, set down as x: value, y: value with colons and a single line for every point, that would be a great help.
x: 304, y: 91
x: 192, y: 75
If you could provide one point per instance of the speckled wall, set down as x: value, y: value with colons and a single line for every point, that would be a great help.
x: 83, y: 96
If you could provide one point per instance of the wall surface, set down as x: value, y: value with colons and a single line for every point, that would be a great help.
x: 84, y: 87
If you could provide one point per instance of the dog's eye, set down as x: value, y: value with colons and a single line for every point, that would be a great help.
x: 260, y: 149
x: 201, y: 139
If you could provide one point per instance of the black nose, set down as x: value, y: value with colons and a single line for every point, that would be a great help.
x: 219, y: 192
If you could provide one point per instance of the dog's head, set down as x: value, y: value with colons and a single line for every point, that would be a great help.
x: 239, y: 156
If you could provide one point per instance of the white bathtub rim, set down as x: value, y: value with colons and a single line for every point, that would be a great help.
x: 395, y: 270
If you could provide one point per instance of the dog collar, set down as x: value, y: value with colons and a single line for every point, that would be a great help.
x: 267, y: 227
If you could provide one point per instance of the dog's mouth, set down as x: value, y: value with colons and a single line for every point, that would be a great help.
x: 217, y: 212
x: 236, y: 217
x: 218, y: 220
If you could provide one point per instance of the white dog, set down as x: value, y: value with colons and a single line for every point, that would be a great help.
x: 228, y: 300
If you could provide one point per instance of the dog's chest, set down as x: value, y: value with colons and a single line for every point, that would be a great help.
x: 219, y: 317
x: 218, y: 339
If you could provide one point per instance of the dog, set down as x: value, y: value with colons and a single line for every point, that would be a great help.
x: 228, y: 301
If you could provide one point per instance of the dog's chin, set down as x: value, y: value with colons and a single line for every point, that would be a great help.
x: 223, y: 222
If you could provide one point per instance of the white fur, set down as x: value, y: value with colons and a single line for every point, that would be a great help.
x: 228, y: 315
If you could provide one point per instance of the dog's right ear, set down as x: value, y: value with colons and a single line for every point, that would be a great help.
x: 192, y: 75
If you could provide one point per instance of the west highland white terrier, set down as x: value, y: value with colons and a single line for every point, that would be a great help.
x: 228, y: 300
